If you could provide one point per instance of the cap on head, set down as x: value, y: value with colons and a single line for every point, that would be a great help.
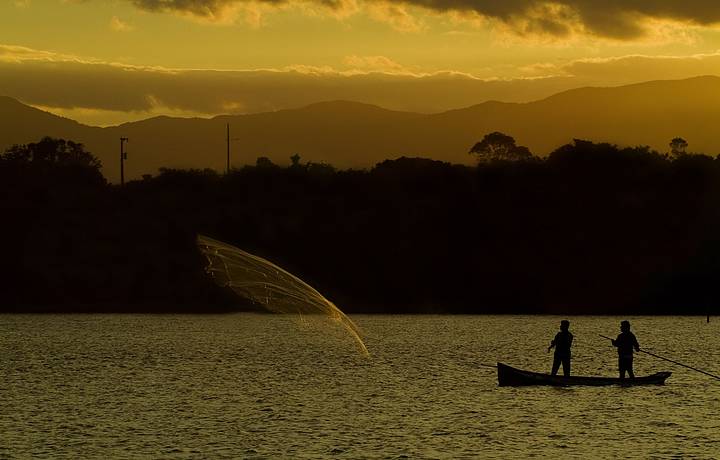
x: 625, y: 325
x: 564, y: 325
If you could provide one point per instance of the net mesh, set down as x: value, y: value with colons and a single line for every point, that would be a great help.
x: 268, y: 285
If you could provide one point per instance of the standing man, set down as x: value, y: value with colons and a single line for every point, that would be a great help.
x: 562, y: 343
x: 626, y: 343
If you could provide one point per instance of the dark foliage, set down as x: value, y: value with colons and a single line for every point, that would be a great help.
x: 591, y: 229
x: 497, y: 146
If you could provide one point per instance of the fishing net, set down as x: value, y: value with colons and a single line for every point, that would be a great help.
x: 268, y: 285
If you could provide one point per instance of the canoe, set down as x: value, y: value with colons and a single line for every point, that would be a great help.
x: 509, y: 376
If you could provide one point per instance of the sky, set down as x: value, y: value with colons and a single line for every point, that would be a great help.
x: 105, y: 62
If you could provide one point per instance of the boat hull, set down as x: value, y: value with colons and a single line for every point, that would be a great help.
x: 509, y: 376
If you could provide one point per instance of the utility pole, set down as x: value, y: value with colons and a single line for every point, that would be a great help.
x: 227, y: 167
x: 227, y: 170
x: 123, y: 157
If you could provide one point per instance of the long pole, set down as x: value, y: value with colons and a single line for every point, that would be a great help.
x: 227, y: 170
x: 670, y: 360
x: 122, y: 159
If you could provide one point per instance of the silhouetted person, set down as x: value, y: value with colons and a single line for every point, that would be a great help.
x: 562, y: 343
x: 626, y: 344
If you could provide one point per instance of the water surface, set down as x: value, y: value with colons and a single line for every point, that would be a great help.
x: 269, y: 386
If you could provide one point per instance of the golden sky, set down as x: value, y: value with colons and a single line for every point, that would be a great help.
x: 108, y: 61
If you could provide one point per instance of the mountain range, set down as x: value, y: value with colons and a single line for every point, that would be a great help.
x: 351, y: 134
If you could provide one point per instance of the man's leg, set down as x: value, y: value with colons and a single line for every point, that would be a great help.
x: 556, y: 364
x: 630, y: 368
x: 621, y: 366
x: 566, y: 366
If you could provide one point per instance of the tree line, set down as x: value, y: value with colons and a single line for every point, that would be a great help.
x: 592, y: 228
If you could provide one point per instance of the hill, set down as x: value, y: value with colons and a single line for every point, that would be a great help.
x: 350, y: 134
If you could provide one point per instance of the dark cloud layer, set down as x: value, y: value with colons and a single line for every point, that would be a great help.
x: 64, y: 82
x: 215, y: 8
x: 71, y: 85
x: 620, y: 19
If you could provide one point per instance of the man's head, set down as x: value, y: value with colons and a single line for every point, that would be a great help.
x: 625, y: 326
x: 564, y: 325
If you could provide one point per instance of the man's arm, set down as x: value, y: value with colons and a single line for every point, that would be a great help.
x: 635, y: 343
x: 552, y: 343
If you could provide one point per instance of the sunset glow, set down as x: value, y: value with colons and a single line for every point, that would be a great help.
x: 108, y: 62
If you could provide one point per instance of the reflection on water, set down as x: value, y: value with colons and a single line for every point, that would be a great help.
x: 259, y: 386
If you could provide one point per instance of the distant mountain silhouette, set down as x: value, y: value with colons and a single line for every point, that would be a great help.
x: 20, y: 123
x: 351, y: 134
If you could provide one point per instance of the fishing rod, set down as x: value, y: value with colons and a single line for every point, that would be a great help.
x: 670, y: 360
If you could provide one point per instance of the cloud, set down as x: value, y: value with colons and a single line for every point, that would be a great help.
x: 618, y: 19
x: 636, y: 68
x: 374, y: 64
x: 397, y: 15
x: 615, y: 19
x: 224, y: 11
x: 118, y: 25
x: 15, y: 53
x: 77, y: 86
x: 210, y: 9
x: 100, y: 117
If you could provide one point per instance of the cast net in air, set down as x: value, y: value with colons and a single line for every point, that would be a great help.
x: 265, y: 283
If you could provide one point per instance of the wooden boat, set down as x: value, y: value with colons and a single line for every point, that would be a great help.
x: 509, y: 376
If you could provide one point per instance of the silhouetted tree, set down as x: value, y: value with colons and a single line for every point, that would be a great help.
x: 265, y: 162
x: 320, y: 168
x: 295, y: 161
x: 678, y: 147
x: 50, y: 150
x: 498, y: 146
x: 594, y: 228
x: 55, y: 158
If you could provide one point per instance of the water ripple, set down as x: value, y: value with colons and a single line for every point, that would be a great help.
x: 264, y: 386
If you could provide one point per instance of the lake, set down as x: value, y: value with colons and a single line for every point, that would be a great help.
x: 273, y: 386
